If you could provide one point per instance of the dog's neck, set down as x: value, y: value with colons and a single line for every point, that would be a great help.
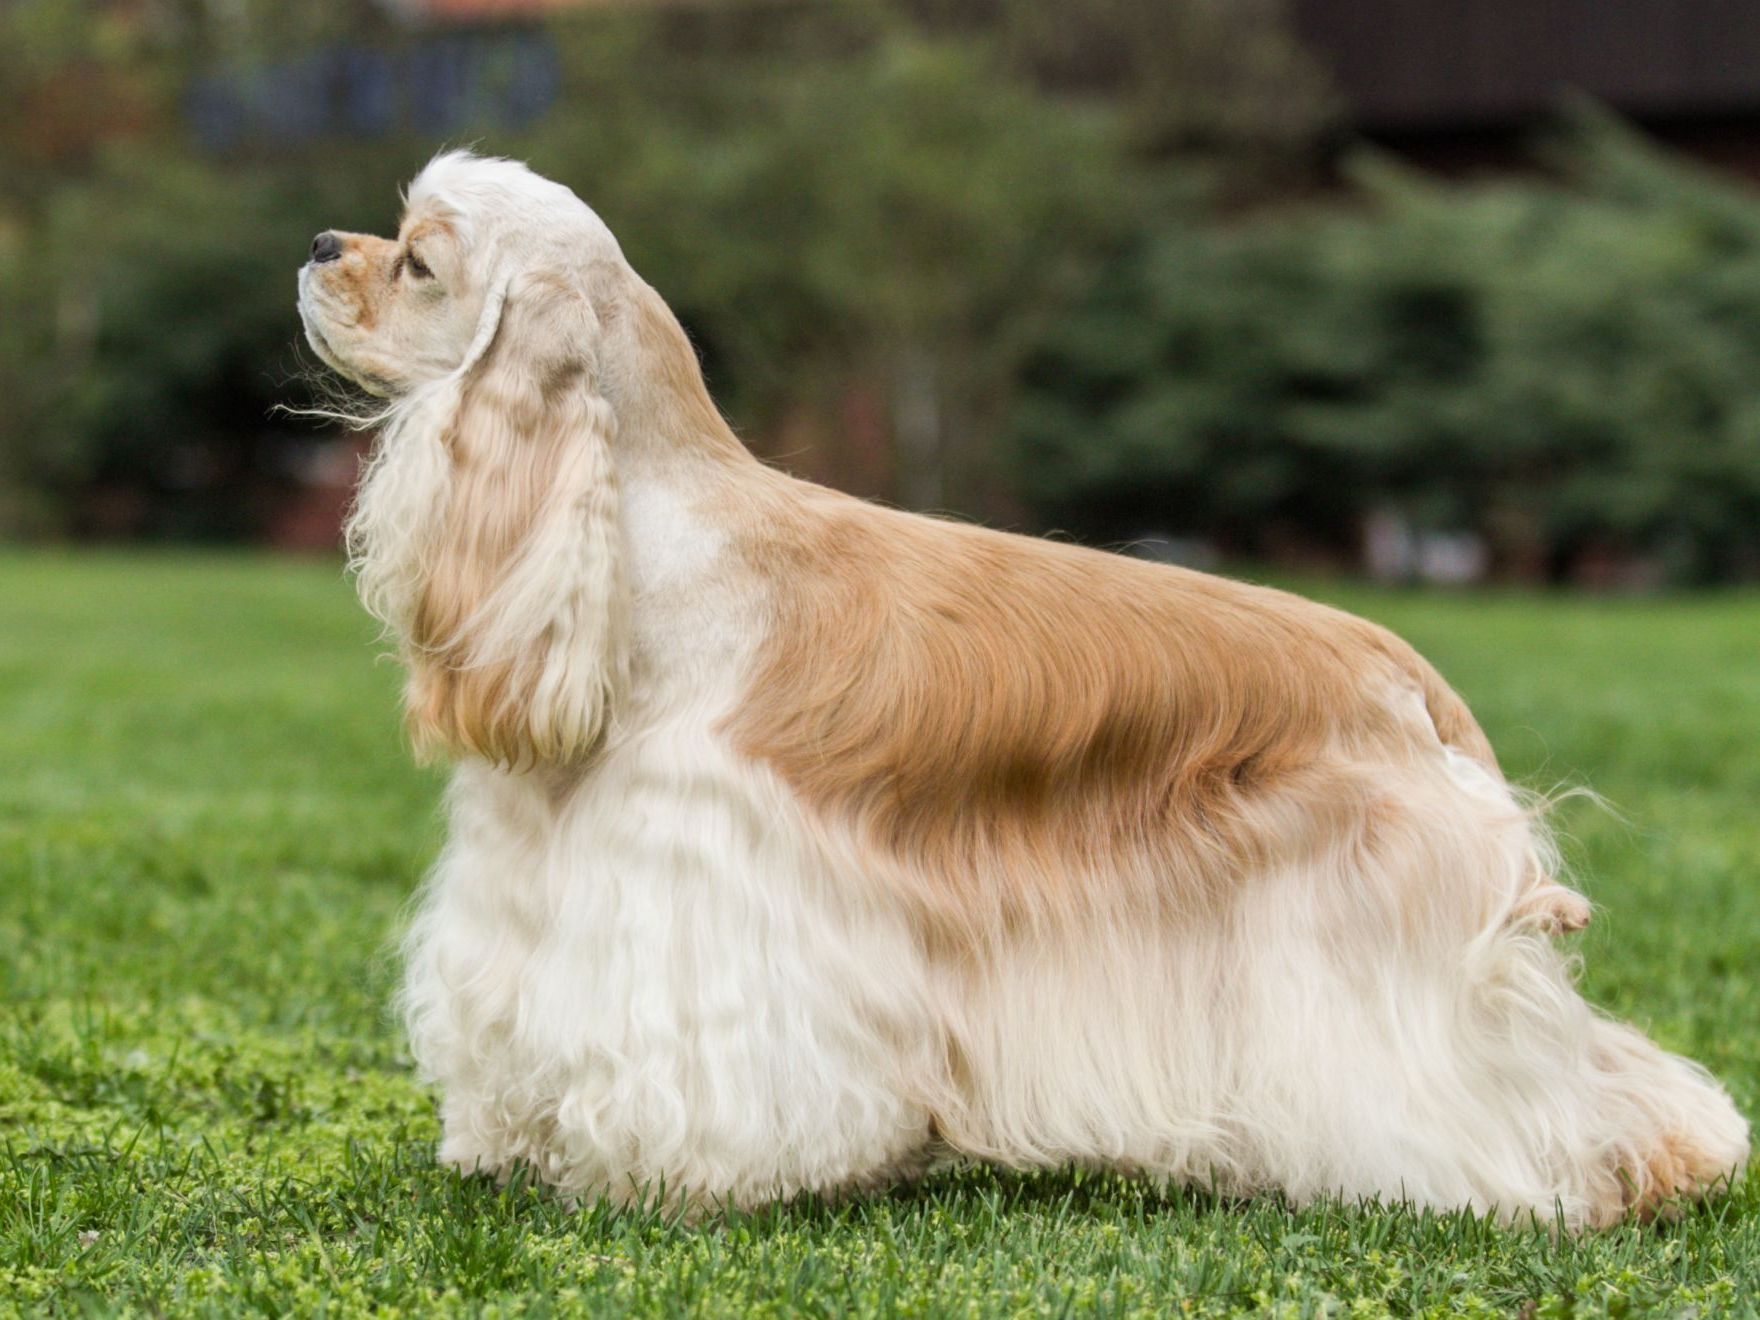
x: 667, y: 423
x: 680, y: 471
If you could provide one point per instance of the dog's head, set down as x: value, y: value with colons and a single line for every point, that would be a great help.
x: 479, y: 237
x: 485, y: 534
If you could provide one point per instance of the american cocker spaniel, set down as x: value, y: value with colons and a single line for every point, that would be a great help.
x: 797, y: 843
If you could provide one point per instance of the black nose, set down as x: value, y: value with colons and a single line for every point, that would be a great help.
x: 326, y: 247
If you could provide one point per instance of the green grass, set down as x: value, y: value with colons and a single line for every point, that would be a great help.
x: 208, y: 827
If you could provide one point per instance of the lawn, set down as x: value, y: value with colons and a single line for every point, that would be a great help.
x: 209, y: 827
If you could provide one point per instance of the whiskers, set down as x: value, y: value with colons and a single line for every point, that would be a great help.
x: 335, y: 398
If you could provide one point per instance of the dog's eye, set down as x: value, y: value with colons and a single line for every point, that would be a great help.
x: 413, y: 264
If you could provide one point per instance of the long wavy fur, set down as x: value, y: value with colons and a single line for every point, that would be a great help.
x: 916, y: 839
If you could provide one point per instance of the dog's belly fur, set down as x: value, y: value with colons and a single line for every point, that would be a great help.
x: 665, y: 980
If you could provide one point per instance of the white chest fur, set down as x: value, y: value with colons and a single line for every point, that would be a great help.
x: 650, y: 973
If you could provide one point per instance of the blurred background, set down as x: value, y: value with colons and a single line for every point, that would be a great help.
x: 1428, y: 290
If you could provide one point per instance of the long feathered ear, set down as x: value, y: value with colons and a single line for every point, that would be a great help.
x: 514, y: 617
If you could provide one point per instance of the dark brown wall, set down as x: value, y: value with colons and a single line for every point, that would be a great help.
x: 1426, y: 65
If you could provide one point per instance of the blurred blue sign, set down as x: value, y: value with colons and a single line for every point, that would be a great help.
x: 434, y: 87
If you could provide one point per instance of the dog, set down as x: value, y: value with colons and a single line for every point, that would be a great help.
x: 797, y: 844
